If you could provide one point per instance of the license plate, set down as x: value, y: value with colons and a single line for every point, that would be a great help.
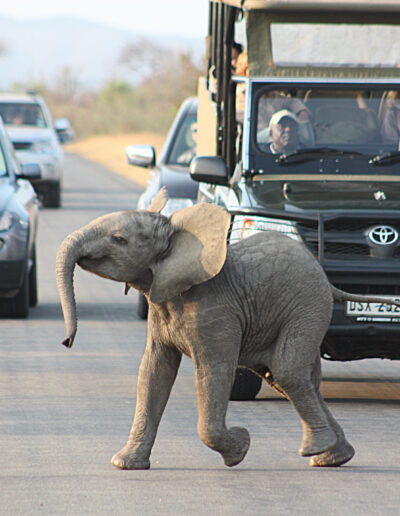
x: 379, y: 312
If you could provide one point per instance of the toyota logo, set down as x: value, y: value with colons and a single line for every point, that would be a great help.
x: 383, y: 235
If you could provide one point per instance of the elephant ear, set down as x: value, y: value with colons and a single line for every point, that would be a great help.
x: 159, y: 201
x: 197, y: 251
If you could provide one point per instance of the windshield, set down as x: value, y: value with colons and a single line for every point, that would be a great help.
x: 363, y: 120
x: 184, y: 145
x: 17, y: 113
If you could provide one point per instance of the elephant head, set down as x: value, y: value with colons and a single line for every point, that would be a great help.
x: 160, y: 256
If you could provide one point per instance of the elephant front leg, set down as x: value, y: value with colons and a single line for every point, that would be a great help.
x: 157, y: 374
x: 213, y: 389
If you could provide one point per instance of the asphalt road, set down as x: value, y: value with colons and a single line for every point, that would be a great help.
x: 64, y: 413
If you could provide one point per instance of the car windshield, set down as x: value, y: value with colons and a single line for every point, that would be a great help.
x: 18, y: 113
x: 362, y: 120
x: 184, y: 145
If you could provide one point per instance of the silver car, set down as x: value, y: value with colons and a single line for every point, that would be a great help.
x: 34, y: 136
x: 18, y: 228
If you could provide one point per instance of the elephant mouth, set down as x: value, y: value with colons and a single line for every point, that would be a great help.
x: 89, y: 262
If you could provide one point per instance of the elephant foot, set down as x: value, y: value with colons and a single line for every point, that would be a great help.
x: 239, y: 442
x: 317, y: 442
x: 341, y: 453
x: 127, y: 458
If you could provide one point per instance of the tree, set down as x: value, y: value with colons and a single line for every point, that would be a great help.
x: 165, y: 77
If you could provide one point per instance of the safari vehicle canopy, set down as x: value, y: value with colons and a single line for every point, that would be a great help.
x: 306, y: 142
x: 331, y: 39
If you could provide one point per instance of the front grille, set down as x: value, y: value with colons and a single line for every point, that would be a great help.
x: 345, y: 249
x: 22, y: 145
x: 347, y: 237
x: 367, y: 289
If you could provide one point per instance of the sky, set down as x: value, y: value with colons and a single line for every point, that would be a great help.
x: 176, y: 17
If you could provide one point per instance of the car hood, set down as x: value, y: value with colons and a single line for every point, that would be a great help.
x: 178, y: 182
x: 325, y: 195
x: 28, y: 134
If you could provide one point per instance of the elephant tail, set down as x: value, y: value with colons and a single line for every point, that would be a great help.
x: 341, y: 295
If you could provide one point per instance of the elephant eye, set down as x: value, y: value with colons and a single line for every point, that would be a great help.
x: 119, y: 240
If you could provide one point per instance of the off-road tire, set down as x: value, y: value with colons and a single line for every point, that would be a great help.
x: 246, y: 385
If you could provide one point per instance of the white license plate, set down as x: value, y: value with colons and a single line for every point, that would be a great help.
x: 375, y: 310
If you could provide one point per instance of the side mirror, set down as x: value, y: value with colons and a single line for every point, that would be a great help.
x: 64, y: 130
x: 30, y: 171
x: 209, y: 169
x: 141, y: 155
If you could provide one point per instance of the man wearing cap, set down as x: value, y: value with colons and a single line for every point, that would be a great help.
x: 284, y: 132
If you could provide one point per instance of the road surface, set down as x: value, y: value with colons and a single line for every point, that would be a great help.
x: 64, y: 413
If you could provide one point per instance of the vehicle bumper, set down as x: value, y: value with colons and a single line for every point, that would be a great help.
x: 375, y: 336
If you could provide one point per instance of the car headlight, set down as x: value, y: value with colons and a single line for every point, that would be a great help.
x: 6, y: 221
x: 174, y: 205
x: 244, y: 227
x: 43, y: 147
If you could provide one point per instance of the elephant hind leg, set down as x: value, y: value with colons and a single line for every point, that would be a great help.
x: 342, y: 451
x: 291, y: 367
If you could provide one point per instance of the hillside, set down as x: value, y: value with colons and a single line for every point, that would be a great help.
x: 36, y: 51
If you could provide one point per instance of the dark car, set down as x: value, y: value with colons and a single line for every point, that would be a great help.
x: 18, y: 228
x: 171, y: 169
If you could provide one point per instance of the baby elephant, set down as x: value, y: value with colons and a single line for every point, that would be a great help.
x: 263, y: 303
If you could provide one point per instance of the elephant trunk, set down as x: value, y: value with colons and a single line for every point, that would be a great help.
x: 68, y: 254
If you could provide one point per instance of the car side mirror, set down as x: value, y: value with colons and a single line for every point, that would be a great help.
x: 30, y: 171
x: 141, y: 155
x: 64, y: 130
x: 209, y: 169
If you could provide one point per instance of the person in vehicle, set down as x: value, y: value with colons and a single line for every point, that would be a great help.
x: 390, y: 128
x: 284, y: 132
x: 18, y: 117
x: 237, y: 50
x: 275, y: 101
x: 190, y: 153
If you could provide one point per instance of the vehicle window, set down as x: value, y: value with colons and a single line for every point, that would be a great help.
x: 17, y: 113
x: 360, y: 119
x: 3, y: 165
x: 184, y: 147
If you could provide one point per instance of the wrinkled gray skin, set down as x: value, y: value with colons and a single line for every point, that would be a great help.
x: 263, y: 303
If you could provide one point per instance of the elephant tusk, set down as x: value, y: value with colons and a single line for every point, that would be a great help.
x: 127, y: 287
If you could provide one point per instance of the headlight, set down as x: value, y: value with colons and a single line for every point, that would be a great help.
x: 43, y: 147
x: 6, y: 221
x: 244, y: 227
x: 175, y: 204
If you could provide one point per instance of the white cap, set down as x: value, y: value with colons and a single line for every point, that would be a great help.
x: 277, y: 117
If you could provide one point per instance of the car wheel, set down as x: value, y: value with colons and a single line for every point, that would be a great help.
x: 52, y: 197
x: 246, y: 385
x: 143, y: 307
x: 17, y: 306
x: 33, y: 285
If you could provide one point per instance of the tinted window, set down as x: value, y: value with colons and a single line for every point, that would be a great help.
x: 16, y: 113
x: 184, y: 146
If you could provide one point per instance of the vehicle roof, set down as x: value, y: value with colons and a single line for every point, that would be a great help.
x: 378, y: 6
x: 23, y: 98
